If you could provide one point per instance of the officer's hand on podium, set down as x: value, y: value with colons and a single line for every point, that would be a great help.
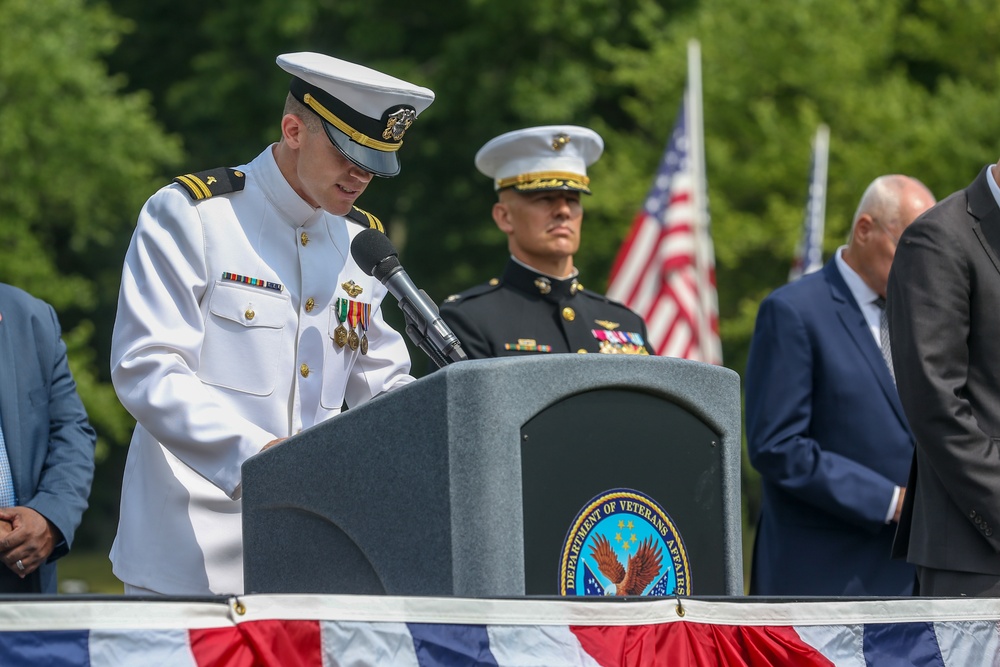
x: 273, y: 443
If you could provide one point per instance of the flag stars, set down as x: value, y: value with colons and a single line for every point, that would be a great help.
x: 618, y: 537
x: 621, y: 524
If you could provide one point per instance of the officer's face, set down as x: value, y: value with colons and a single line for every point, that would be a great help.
x: 326, y: 178
x: 542, y: 227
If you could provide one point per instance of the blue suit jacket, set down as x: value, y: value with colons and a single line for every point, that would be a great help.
x: 50, y: 444
x: 827, y: 432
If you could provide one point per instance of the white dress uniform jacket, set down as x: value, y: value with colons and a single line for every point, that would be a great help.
x: 213, y: 369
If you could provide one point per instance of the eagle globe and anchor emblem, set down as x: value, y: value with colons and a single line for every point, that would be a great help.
x: 623, y: 543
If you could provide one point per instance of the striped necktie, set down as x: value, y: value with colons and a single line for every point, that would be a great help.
x: 7, y: 496
x: 883, y: 328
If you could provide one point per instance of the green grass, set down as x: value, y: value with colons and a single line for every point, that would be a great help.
x: 87, y: 572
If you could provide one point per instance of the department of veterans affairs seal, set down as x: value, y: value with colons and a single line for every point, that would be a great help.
x: 623, y: 543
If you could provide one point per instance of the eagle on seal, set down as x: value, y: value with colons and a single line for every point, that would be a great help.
x: 643, y: 566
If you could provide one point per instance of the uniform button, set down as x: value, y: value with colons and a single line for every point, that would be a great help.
x: 581, y: 351
x: 972, y: 514
x: 310, y: 304
x: 304, y: 238
x: 568, y: 314
x: 249, y: 314
x: 988, y: 532
x: 304, y: 370
x: 979, y: 520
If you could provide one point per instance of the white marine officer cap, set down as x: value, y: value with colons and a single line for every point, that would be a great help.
x: 550, y: 157
x: 365, y: 113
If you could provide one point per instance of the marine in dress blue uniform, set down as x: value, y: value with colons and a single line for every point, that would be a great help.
x: 538, y: 305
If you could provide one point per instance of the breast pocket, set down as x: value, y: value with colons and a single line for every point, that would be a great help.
x: 243, y: 333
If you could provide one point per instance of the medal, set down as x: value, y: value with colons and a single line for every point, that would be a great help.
x: 364, y: 317
x: 353, y: 340
x: 340, y: 333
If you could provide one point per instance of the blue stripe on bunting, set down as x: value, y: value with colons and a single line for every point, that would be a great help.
x: 902, y: 644
x: 52, y: 648
x: 439, y: 645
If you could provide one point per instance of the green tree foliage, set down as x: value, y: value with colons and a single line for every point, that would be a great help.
x: 905, y: 86
x: 76, y: 156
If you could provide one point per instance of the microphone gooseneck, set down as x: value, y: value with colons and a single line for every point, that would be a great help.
x: 376, y: 256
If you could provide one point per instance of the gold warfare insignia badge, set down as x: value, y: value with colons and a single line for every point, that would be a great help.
x: 352, y: 288
x: 623, y: 543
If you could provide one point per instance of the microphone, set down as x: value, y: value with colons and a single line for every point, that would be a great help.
x: 376, y: 256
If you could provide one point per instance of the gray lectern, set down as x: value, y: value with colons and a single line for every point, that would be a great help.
x: 494, y: 477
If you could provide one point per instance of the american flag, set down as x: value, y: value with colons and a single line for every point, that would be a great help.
x: 809, y: 254
x: 665, y: 270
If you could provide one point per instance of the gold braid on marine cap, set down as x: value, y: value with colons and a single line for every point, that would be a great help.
x: 545, y: 180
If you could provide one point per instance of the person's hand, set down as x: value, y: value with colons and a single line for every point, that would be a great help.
x: 29, y: 542
x: 273, y: 443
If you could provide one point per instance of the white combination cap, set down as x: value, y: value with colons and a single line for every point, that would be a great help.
x: 550, y: 157
x: 365, y: 112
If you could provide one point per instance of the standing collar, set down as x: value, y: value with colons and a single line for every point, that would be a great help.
x: 526, y: 279
x: 295, y: 210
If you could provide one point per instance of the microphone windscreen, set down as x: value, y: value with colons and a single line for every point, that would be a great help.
x: 369, y: 248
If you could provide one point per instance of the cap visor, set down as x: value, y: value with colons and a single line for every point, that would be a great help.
x: 380, y: 163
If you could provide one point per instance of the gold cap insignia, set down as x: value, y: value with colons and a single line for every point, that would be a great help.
x: 560, y: 141
x: 352, y: 288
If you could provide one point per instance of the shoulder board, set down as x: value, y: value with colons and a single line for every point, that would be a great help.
x: 478, y: 290
x: 213, y: 182
x: 365, y: 219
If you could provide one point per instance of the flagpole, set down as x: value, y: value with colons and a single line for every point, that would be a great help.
x: 809, y: 253
x: 822, y: 148
x: 704, y: 257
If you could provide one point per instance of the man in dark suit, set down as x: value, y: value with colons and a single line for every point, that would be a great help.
x: 944, y: 315
x: 825, y: 428
x: 47, y: 445
x: 538, y: 305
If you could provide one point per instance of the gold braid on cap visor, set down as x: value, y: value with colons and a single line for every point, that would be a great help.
x: 547, y: 178
x: 355, y: 135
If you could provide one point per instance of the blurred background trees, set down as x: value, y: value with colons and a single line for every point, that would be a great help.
x: 101, y: 103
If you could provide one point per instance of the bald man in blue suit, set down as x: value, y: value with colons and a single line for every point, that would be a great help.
x: 48, y: 441
x: 825, y: 427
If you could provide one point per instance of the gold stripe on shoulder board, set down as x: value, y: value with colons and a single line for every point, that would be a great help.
x: 197, y: 187
x: 373, y: 222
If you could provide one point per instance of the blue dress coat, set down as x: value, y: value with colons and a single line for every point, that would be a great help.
x: 827, y: 433
x: 49, y: 441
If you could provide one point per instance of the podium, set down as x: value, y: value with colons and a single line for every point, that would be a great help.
x: 470, y: 482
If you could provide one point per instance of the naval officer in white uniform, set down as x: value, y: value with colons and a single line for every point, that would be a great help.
x: 242, y: 319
